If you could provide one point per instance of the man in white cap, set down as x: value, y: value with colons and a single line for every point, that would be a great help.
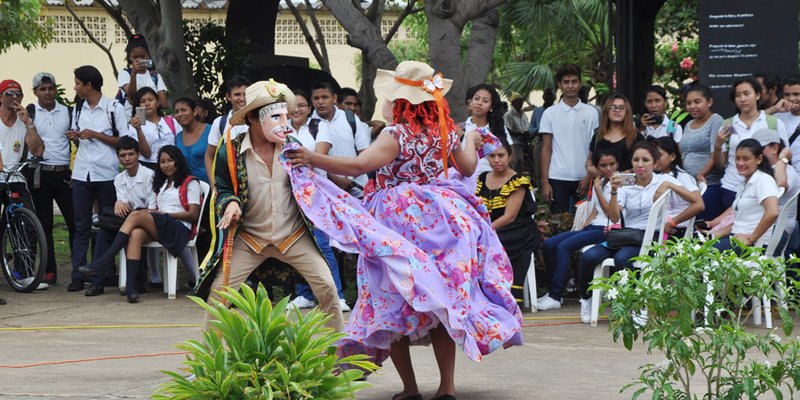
x: 50, y: 180
x: 255, y: 203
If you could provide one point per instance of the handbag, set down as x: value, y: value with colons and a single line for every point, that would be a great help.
x: 108, y: 220
x: 624, y: 237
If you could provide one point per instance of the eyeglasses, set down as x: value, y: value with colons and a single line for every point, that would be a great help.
x: 13, y: 93
x: 302, y: 105
x: 617, y: 108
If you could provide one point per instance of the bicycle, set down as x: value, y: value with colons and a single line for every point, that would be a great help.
x: 23, y: 246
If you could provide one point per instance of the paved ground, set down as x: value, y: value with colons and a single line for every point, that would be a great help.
x: 563, y: 361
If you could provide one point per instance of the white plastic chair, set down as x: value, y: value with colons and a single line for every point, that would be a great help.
x: 690, y: 228
x: 529, y: 287
x: 655, y: 225
x: 775, y: 251
x: 169, y: 262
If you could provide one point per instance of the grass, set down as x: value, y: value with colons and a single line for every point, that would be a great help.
x: 61, y: 242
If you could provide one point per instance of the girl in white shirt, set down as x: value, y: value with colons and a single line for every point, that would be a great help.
x: 485, y: 111
x: 168, y: 220
x: 679, y: 211
x: 631, y: 204
x: 141, y: 72
x: 755, y: 207
x: 155, y: 131
x: 558, y: 249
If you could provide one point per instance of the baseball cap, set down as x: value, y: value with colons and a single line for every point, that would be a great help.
x: 767, y: 136
x: 38, y: 78
x: 9, y: 84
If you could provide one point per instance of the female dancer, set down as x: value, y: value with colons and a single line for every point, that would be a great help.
x: 431, y: 266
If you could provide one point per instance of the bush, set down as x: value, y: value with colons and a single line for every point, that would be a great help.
x: 258, y: 353
x: 680, y: 280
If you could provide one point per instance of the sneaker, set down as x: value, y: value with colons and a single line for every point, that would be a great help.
x: 548, y: 295
x: 50, y: 278
x: 27, y: 281
x: 95, y: 219
x: 343, y: 305
x: 547, y: 303
x: 301, y: 302
x: 586, y: 311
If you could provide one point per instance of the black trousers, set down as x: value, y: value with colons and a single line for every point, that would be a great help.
x: 54, y: 186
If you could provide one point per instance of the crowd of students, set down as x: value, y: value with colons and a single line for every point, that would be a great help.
x: 583, y: 147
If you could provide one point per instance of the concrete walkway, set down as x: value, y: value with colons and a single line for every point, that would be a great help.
x: 564, y: 361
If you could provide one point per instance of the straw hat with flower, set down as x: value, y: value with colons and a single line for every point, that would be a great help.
x: 263, y: 93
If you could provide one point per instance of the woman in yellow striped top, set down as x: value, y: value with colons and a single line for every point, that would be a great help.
x: 507, y: 196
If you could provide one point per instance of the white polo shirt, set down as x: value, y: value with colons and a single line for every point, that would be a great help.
x: 52, y: 127
x: 158, y: 135
x: 676, y: 204
x: 214, y: 134
x: 601, y: 219
x: 344, y: 143
x: 637, y: 201
x: 731, y: 180
x: 143, y: 79
x: 136, y: 191
x: 307, y: 140
x: 95, y: 160
x: 572, y: 129
x: 791, y: 122
x: 793, y: 186
x: 168, y: 198
x: 662, y: 130
x: 747, y: 206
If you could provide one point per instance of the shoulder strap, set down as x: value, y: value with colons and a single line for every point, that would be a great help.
x: 351, y: 119
x: 183, y: 196
x: 154, y: 78
x: 313, y: 127
x: 69, y: 112
x: 113, y: 119
x: 78, y: 107
x: 121, y: 95
x: 31, y: 111
x: 794, y: 135
x: 223, y: 122
x: 772, y: 122
x: 171, y: 123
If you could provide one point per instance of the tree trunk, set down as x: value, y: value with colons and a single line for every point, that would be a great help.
x: 362, y: 34
x: 446, y: 20
x: 367, y: 91
x: 162, y: 26
x: 483, y: 37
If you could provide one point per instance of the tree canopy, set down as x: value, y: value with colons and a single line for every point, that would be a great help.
x: 20, y: 24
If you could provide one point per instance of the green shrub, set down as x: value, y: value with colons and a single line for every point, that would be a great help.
x: 260, y: 353
x: 716, y: 350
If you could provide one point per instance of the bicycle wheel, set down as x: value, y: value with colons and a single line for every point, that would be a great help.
x: 23, y: 250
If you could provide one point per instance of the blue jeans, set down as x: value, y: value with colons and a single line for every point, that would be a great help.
x: 558, y: 251
x: 84, y: 195
x: 302, y: 289
x: 715, y: 206
x: 594, y: 256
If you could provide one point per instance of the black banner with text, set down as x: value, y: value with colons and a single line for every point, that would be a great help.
x: 738, y: 38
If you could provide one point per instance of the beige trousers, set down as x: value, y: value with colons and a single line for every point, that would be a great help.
x: 303, y: 256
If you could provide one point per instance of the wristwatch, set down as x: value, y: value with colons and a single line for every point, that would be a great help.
x: 785, y: 160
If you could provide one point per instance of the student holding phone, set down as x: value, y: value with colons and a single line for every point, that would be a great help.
x: 630, y: 205
x: 140, y: 65
x: 655, y: 122
x: 150, y: 127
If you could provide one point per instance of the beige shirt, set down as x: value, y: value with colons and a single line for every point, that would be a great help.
x: 272, y: 217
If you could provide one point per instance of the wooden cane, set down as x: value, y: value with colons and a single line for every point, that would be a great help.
x: 227, y: 254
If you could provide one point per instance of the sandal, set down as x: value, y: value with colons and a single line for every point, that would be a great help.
x: 412, y: 397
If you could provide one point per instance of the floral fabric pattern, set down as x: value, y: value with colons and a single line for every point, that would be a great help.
x: 428, y: 254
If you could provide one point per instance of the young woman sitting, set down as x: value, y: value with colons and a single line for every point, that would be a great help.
x: 506, y: 194
x: 755, y: 207
x: 558, y: 249
x: 679, y: 211
x: 169, y: 220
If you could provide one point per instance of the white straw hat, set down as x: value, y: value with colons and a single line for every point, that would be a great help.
x: 411, y: 80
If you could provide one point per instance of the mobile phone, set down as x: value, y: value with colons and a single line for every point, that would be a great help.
x: 148, y: 63
x: 657, y: 119
x: 700, y: 225
x: 140, y: 114
x: 627, y: 179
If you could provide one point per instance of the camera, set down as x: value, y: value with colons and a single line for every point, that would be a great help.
x: 627, y: 179
x: 657, y: 119
x: 149, y: 64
